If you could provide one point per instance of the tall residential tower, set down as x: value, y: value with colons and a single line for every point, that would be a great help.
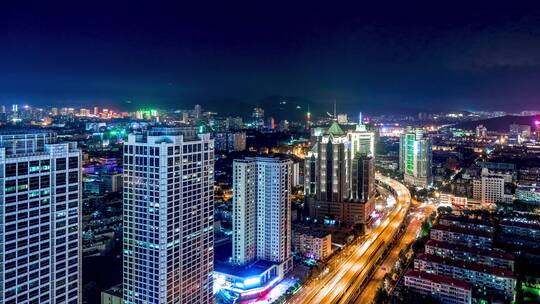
x: 168, y: 217
x: 261, y: 210
x: 261, y: 239
x: 40, y: 206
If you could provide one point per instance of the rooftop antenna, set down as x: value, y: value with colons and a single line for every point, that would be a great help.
x: 335, y: 115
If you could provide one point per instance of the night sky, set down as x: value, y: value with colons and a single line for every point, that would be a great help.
x: 387, y: 57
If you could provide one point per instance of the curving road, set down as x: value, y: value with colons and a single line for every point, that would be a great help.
x: 369, y: 291
x: 343, y: 282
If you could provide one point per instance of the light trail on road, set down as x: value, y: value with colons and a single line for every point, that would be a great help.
x: 339, y: 285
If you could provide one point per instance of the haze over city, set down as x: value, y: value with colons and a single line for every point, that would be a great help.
x: 400, y: 56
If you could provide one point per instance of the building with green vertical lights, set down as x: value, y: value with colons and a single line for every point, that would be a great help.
x: 415, y: 154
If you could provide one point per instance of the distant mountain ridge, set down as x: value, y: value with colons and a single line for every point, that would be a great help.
x: 279, y: 107
x: 498, y: 124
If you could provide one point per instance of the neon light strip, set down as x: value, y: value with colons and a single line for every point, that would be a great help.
x: 254, y: 291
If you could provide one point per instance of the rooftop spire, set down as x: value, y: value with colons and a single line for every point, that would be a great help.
x: 335, y: 129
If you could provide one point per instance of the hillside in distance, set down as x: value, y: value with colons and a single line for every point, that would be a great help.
x: 499, y: 124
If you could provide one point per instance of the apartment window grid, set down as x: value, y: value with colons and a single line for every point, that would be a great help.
x: 183, y: 175
x: 480, y: 279
x: 261, y: 185
x: 447, y: 293
x: 41, y: 222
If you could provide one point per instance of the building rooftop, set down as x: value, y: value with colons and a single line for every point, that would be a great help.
x: 496, y: 271
x: 465, y: 220
x: 529, y: 186
x: 255, y: 268
x: 521, y: 224
x: 170, y: 131
x: 268, y: 159
x: 335, y: 129
x: 438, y: 279
x: 477, y: 251
x: 24, y: 141
x: 115, y: 291
x: 32, y: 143
x: 166, y: 134
x: 463, y: 231
x: 310, y: 231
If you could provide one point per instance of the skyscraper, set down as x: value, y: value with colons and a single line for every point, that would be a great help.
x: 41, y: 206
x: 362, y: 167
x: 261, y: 211
x: 333, y: 168
x: 362, y: 178
x: 244, y: 212
x: 230, y: 141
x: 362, y: 141
x: 197, y: 111
x: 415, y: 158
x: 168, y: 217
x: 258, y: 118
x: 331, y: 153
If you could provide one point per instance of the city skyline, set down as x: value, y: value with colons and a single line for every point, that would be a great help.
x: 212, y: 209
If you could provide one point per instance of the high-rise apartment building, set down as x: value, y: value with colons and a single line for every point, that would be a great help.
x: 234, y: 123
x: 257, y: 118
x: 339, y: 176
x: 481, y: 131
x: 261, y: 211
x: 197, y: 111
x: 415, y: 158
x: 168, y: 217
x: 40, y: 203
x: 296, y: 176
x: 230, y: 141
x: 519, y: 134
x: 244, y: 219
x: 261, y: 238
